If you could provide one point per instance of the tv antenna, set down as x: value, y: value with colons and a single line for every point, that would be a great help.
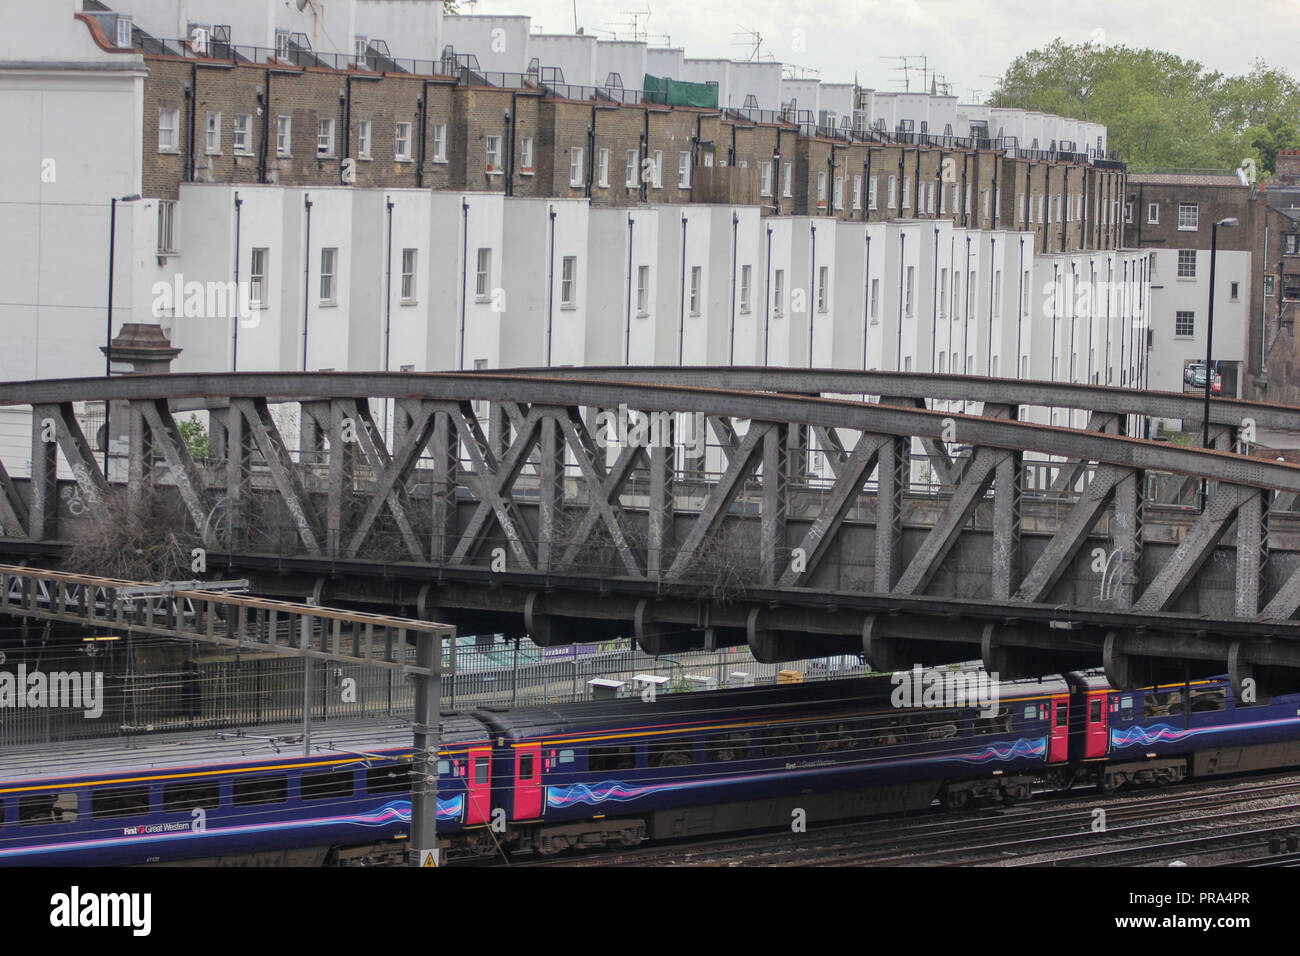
x: 907, y: 63
x: 753, y: 39
x: 997, y: 89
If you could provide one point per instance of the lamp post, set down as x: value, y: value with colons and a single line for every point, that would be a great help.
x: 1209, y: 348
x: 108, y: 330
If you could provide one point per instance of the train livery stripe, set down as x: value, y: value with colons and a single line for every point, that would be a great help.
x: 393, y: 813
x: 619, y: 792
x: 1145, y: 735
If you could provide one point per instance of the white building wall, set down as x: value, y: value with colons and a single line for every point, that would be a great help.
x: 762, y: 80
x: 627, y: 58
x: 499, y: 43
x: 574, y: 55
x: 665, y: 61
x: 411, y: 28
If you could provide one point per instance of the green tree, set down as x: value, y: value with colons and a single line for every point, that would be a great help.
x: 1160, y: 109
x: 195, y: 437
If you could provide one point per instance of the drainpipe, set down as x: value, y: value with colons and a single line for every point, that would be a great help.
x: 306, y: 279
x: 550, y: 288
x: 934, y: 308
x: 464, y: 270
x: 422, y: 101
x: 627, y: 338
x: 591, y: 154
x: 812, y: 288
x: 681, y: 317
x: 866, y: 301
x: 511, y: 124
x: 234, y: 333
x: 192, y: 95
x: 767, y: 296
x: 265, y: 100
x: 735, y: 254
x: 902, y: 261
x: 388, y: 304
x: 965, y: 319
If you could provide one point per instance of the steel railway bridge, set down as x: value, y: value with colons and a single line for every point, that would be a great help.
x: 913, y: 518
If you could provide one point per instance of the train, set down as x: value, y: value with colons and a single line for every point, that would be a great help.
x: 546, y: 779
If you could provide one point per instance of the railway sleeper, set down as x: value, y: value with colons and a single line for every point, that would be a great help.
x: 1160, y: 772
x: 957, y: 794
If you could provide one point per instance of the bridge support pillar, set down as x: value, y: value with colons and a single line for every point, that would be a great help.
x: 884, y: 655
x: 656, y: 639
x: 1118, y: 665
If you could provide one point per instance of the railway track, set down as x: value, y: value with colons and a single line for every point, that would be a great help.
x: 1215, y: 822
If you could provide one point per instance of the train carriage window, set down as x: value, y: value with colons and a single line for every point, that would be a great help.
x: 1209, y: 700
x: 40, y: 808
x: 250, y: 792
x: 1062, y: 713
x: 394, y: 779
x: 1094, y: 710
x: 526, y: 764
x: 727, y: 747
x: 183, y: 797
x: 1157, y: 704
x: 444, y: 767
x: 482, y: 769
x: 835, y: 736
x: 119, y: 802
x: 566, y: 756
x: 1031, y: 712
x: 780, y: 742
x: 330, y: 783
x: 1126, y: 706
x: 670, y: 753
x: 607, y: 759
x: 998, y: 724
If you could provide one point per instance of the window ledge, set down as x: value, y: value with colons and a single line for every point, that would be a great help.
x: 280, y: 155
x: 328, y: 304
x: 403, y: 159
x: 243, y: 152
x: 365, y: 158
x: 441, y: 162
x: 213, y: 152
x: 169, y: 150
x: 496, y: 172
x: 568, y: 307
x: 1183, y: 228
x: 409, y: 302
x: 526, y: 172
x: 482, y: 299
x: 643, y: 315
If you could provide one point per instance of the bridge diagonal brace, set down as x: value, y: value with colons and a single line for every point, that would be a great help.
x: 945, y: 468
x: 491, y: 485
x: 265, y: 434
x: 176, y: 453
x: 602, y: 491
x: 392, y: 473
x: 1196, y: 548
x: 1071, y: 535
x: 720, y: 497
x: 828, y: 440
x: 76, y: 450
x: 12, y: 522
x: 843, y: 496
x: 975, y: 481
x: 726, y: 434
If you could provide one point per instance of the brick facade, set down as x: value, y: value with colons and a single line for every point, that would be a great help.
x: 447, y: 129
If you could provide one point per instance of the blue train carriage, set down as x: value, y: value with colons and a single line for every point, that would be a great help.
x: 622, y: 771
x: 234, y: 798
x: 1165, y: 733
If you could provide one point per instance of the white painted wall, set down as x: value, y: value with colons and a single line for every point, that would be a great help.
x: 500, y: 43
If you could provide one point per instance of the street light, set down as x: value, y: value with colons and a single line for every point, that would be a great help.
x: 108, y: 330
x: 1209, y: 348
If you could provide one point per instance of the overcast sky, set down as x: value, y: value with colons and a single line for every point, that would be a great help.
x: 962, y: 39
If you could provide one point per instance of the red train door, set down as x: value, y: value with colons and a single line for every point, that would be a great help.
x: 1059, y: 739
x: 1096, y: 737
x: 478, y: 785
x: 528, y: 781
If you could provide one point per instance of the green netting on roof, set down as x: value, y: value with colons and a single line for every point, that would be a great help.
x: 660, y: 89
